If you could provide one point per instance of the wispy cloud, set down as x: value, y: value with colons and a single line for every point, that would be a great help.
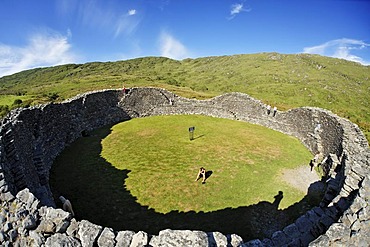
x: 163, y: 4
x: 171, y: 47
x: 236, y: 9
x: 126, y: 23
x: 42, y: 50
x: 100, y: 15
x: 341, y: 48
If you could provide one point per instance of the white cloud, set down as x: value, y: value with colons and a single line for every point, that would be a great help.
x: 42, y: 50
x: 132, y: 12
x: 237, y: 8
x: 340, y: 48
x: 172, y: 48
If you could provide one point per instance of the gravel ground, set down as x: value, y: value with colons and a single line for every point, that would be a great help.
x: 300, y: 178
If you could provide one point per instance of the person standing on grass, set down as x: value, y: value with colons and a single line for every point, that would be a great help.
x: 201, y: 173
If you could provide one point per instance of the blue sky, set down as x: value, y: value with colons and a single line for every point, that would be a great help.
x: 52, y: 32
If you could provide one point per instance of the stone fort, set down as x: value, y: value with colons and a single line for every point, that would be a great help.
x: 31, y: 138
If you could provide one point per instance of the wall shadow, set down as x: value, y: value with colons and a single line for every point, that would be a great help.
x: 96, y: 190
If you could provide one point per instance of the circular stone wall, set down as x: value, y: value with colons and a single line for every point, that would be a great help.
x: 30, y: 139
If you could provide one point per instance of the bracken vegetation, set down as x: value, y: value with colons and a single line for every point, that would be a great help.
x: 287, y: 81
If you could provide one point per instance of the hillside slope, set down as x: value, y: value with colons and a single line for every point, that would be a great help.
x: 286, y: 81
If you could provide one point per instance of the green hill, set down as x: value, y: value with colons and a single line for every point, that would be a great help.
x: 287, y: 81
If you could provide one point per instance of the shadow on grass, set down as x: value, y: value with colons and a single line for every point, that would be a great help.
x: 208, y: 174
x: 96, y: 190
x: 199, y: 136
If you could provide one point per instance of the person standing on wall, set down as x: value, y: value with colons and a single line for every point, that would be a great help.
x: 275, y: 110
x: 268, y: 109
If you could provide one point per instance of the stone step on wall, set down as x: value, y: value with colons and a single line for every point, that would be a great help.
x: 353, y: 228
x: 8, y: 161
x: 38, y: 162
x: 334, y: 178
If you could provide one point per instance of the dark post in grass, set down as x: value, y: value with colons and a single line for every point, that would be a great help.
x: 191, y: 133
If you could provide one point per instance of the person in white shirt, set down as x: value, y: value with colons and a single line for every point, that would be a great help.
x: 201, y: 174
x: 275, y: 110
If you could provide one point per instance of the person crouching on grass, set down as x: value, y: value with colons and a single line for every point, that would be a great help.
x: 201, y: 174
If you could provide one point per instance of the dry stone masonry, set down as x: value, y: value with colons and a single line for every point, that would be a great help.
x: 30, y: 140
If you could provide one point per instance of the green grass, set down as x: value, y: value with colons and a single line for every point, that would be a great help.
x: 9, y: 99
x: 245, y: 161
x: 139, y: 175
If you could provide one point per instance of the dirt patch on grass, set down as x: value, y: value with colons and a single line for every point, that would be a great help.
x: 300, y: 178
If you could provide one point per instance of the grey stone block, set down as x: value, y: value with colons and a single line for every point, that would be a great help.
x: 326, y: 221
x: 139, y: 239
x: 267, y: 242
x: 364, y: 214
x: 107, y: 238
x: 182, y: 237
x: 357, y: 168
x: 216, y: 239
x: 294, y: 243
x: 72, y: 229
x: 321, y: 241
x: 13, y: 234
x: 234, y: 239
x: 306, y: 238
x: 279, y: 238
x: 29, y: 222
x: 292, y: 231
x: 46, y: 226
x: 312, y: 216
x: 124, y: 238
x: 318, y: 211
x: 352, y: 182
x: 7, y: 227
x: 253, y: 243
x: 36, y: 239
x: 60, y: 239
x: 356, y: 226
x: 303, y: 224
x: 338, y: 231
x: 88, y: 233
x: 2, y: 236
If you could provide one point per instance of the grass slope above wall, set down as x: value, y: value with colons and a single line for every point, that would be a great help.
x: 287, y: 81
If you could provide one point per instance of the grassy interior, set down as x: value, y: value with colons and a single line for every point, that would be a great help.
x: 164, y: 162
x: 140, y: 174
